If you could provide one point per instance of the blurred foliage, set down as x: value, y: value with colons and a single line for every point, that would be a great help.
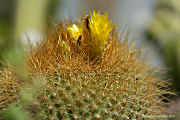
x: 10, y: 25
x: 7, y: 11
x: 15, y: 113
x: 165, y: 33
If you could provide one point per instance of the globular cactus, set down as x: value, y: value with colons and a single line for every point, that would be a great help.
x: 9, y: 87
x: 92, y: 73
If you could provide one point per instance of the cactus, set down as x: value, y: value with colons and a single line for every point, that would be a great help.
x: 9, y: 85
x: 91, y: 73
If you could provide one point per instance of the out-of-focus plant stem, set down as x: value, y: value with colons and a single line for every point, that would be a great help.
x: 30, y: 15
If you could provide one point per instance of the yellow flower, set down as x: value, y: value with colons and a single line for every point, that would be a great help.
x: 100, y: 28
x: 94, y: 33
x: 75, y: 31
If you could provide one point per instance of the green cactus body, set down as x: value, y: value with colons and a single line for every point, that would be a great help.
x: 83, y: 84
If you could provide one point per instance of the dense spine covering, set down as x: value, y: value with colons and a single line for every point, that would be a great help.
x: 91, y: 73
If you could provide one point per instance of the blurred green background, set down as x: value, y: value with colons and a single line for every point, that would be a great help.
x: 164, y: 33
x: 19, y: 19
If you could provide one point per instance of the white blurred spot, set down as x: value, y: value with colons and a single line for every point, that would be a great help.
x: 31, y: 37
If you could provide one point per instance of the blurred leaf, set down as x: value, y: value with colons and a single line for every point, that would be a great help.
x: 15, y: 113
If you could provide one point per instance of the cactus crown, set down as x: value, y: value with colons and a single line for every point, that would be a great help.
x: 91, y: 73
